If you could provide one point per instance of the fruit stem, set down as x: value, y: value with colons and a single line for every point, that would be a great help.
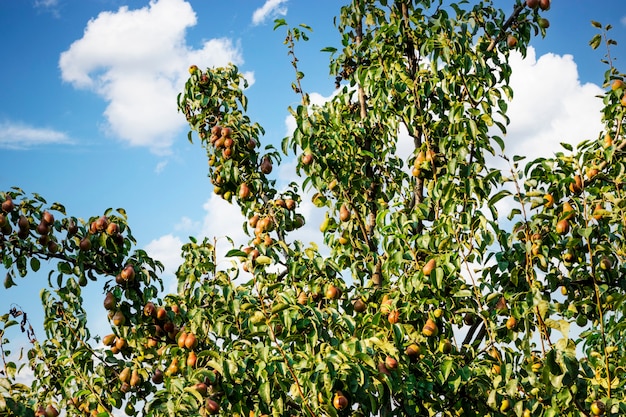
x: 506, y: 25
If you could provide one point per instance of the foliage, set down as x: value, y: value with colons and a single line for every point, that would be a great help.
x: 428, y: 302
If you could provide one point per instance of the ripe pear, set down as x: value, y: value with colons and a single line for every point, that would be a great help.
x: 605, y: 263
x: 202, y: 388
x: 562, y: 227
x: 244, y: 191
x: 125, y: 374
x: 23, y: 223
x: 332, y: 292
x: 505, y: 405
x: 85, y: 244
x: 47, y: 218
x: 51, y: 411
x: 307, y: 159
x: 430, y: 328
x: 182, y: 337
x: 266, y: 165
x: 157, y: 377
x: 429, y: 266
x: 8, y: 205
x: 161, y: 313
x: 511, y: 323
x: 112, y: 229
x: 413, y: 350
x: 43, y: 228
x: 344, y: 213
x: 303, y: 298
x: 391, y: 363
x: 191, y: 341
x: 128, y: 273
x: 192, y: 358
x: 135, y: 378
x: 212, y: 407
x: 101, y: 224
x: 393, y: 317
x: 511, y: 41
x: 173, y: 368
x: 226, y: 132
x: 359, y: 305
x: 617, y: 84
x: 149, y: 310
x: 445, y: 346
x: 576, y: 187
x: 118, y: 319
x: 109, y: 301
x: 385, y: 304
x: 597, y: 408
x: 109, y: 340
x: 548, y: 200
x: 533, y: 4
x: 568, y: 211
x: 120, y: 343
x: 340, y: 401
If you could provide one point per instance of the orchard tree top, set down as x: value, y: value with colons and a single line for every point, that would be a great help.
x: 426, y: 300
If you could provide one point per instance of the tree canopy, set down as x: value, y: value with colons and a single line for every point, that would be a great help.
x: 446, y: 286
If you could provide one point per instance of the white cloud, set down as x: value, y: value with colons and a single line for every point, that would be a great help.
x: 167, y: 250
x: 21, y: 136
x: 623, y: 20
x: 48, y: 5
x: 160, y: 167
x: 137, y: 61
x: 186, y: 225
x: 270, y: 8
x: 550, y: 106
x: 223, y: 220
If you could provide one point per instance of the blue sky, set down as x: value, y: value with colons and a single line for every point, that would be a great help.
x: 88, y: 111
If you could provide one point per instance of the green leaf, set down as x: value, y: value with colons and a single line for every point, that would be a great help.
x: 264, y: 393
x: 279, y: 22
x: 236, y: 253
x: 34, y: 264
x: 595, y: 41
x: 446, y: 367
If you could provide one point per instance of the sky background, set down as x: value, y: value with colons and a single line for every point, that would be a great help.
x: 88, y: 111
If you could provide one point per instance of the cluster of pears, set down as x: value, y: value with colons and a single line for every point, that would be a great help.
x: 26, y: 227
x: 280, y: 211
x: 425, y: 164
x: 229, y: 147
x: 41, y: 225
x: 163, y: 334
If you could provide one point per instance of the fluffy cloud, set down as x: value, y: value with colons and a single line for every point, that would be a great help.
x: 50, y: 6
x: 223, y: 221
x: 270, y: 8
x: 167, y: 250
x: 137, y: 61
x: 21, y: 136
x: 550, y: 105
